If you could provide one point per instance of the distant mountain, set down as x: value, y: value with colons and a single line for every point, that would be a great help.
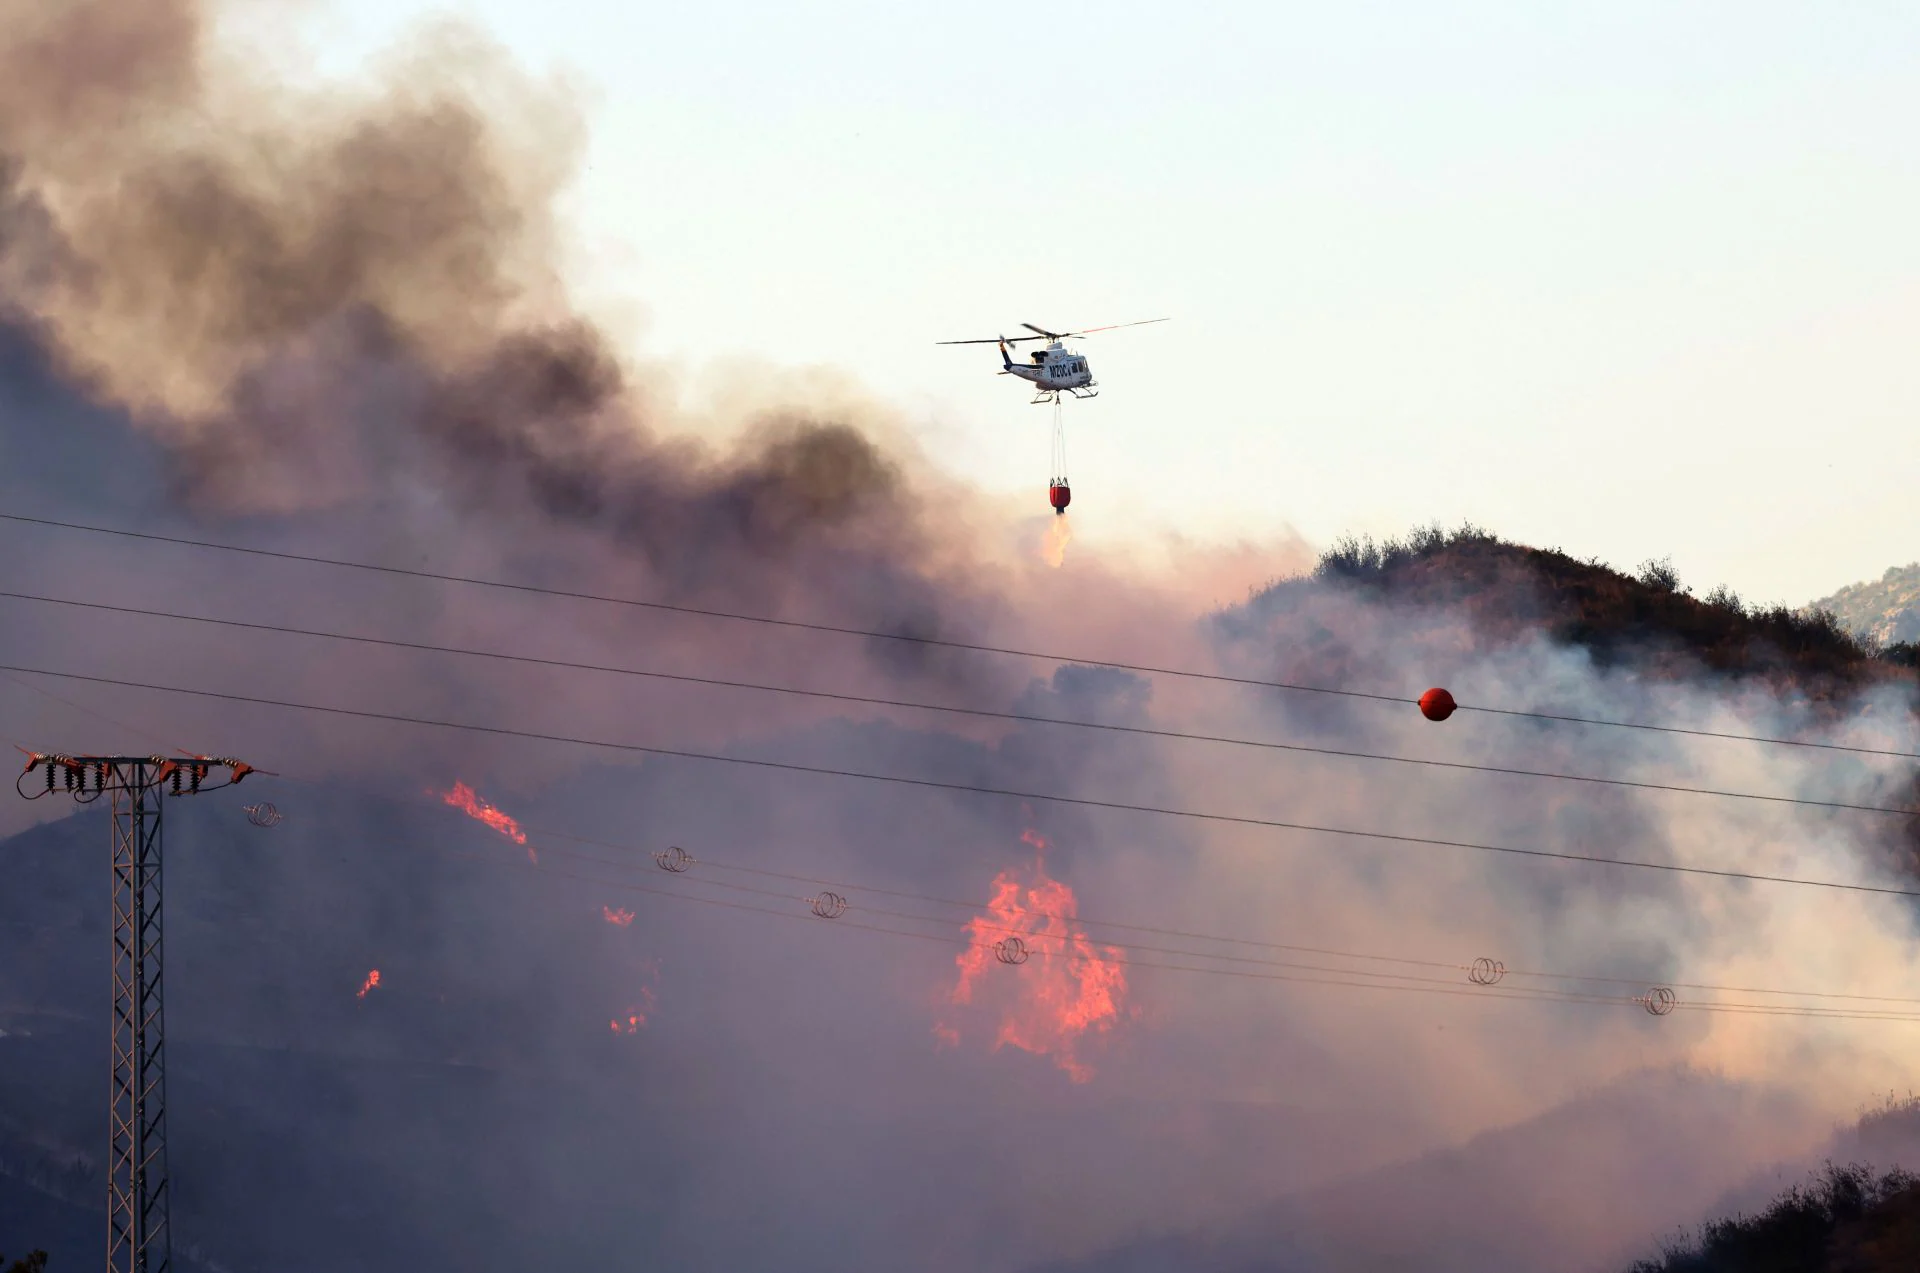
x: 1885, y: 611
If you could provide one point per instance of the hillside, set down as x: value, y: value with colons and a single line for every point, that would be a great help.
x: 1854, y: 1219
x: 1849, y: 1220
x: 1651, y: 1151
x: 1650, y: 620
x: 1885, y: 610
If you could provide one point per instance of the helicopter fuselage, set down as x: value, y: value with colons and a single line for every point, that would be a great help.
x: 1054, y: 369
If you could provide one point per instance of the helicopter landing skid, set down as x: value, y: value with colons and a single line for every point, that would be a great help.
x: 1053, y: 395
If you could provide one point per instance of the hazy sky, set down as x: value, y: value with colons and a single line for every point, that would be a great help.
x: 1632, y: 280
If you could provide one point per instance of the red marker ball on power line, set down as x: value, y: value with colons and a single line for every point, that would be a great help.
x: 1436, y: 704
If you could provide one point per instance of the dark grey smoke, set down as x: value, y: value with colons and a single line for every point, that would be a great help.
x: 335, y: 318
x: 340, y: 300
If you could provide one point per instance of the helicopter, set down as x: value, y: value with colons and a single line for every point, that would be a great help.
x: 1052, y: 371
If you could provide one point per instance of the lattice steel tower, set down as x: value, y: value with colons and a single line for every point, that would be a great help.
x: 138, y: 1239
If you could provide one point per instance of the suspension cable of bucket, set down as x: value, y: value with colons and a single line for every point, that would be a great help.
x: 1059, y: 494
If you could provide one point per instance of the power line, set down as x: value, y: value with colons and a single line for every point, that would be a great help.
x: 1094, y: 947
x: 939, y: 642
x: 976, y: 922
x: 87, y: 711
x: 935, y: 784
x: 977, y: 712
x: 858, y: 926
x: 979, y: 923
x: 1093, y: 923
x: 1417, y: 985
x: 977, y: 905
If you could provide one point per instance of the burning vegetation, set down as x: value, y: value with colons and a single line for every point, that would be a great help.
x: 634, y: 1019
x: 1064, y: 990
x: 463, y: 798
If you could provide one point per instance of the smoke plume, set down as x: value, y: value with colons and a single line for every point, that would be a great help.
x: 349, y: 298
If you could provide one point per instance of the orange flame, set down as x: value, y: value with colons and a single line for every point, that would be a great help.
x: 618, y: 918
x: 1068, y: 988
x: 462, y: 797
x: 636, y: 1017
x: 1053, y: 548
x: 373, y: 979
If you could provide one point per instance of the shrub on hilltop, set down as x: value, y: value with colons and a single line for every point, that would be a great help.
x: 1846, y: 1221
x: 1649, y: 618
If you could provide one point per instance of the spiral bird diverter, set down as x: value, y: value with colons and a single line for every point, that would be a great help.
x: 1659, y: 1001
x: 262, y: 814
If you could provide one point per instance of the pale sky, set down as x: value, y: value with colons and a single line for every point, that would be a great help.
x: 1628, y: 279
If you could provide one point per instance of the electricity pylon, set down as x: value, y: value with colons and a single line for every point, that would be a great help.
x: 138, y: 1239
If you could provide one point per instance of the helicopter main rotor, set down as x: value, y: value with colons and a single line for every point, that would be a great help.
x: 1044, y: 334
